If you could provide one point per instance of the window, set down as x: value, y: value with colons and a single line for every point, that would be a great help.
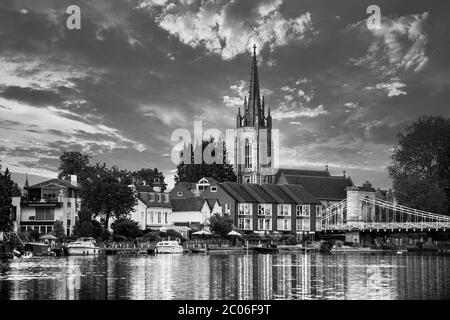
x: 213, y: 189
x: 248, y: 154
x: 23, y: 229
x: 284, y: 224
x: 49, y: 229
x: 318, y: 211
x: 245, y: 209
x: 180, y: 194
x: 303, y: 225
x: 265, y: 209
x: 166, y: 196
x: 264, y: 224
x: 45, y: 214
x: 227, y: 208
x: 245, y: 224
x: 284, y: 210
x: 165, y: 218
x: 152, y: 197
x: 318, y: 225
x: 69, y: 204
x: 42, y: 229
x: 303, y: 211
x: 158, y: 197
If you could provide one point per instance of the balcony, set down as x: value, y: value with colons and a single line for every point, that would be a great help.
x: 41, y: 202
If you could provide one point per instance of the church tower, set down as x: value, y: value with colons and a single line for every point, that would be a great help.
x: 253, y: 144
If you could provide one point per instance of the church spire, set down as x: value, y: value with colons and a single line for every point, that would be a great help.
x: 26, y: 181
x: 254, y: 103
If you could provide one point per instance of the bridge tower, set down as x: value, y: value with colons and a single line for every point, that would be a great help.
x: 358, y: 211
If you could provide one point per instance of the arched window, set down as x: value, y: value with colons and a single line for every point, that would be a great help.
x: 248, y: 154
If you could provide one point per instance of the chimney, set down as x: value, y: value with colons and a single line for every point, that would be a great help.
x: 74, y: 180
x: 344, y: 173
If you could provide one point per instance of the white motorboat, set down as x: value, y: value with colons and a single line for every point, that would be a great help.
x: 168, y: 246
x: 83, y: 246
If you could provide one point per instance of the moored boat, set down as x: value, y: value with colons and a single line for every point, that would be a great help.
x: 168, y: 246
x: 265, y: 249
x: 83, y: 246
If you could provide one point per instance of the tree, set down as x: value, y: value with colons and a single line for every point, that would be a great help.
x: 420, y: 166
x: 6, y: 190
x: 89, y: 228
x: 107, y: 197
x: 73, y: 163
x: 58, y: 230
x: 221, y: 225
x: 191, y: 172
x: 148, y: 176
x: 127, y: 228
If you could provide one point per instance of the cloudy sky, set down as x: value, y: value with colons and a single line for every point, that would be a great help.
x: 137, y: 70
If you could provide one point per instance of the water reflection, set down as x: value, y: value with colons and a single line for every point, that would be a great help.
x: 229, y: 276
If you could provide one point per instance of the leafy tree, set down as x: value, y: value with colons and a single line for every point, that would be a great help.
x: 221, y: 225
x: 73, y: 163
x: 420, y: 166
x: 108, y: 198
x: 58, y: 230
x: 148, y: 177
x: 89, y: 228
x: 6, y: 189
x: 190, y: 172
x: 127, y: 228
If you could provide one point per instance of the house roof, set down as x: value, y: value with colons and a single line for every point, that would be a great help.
x: 189, y: 204
x: 235, y: 190
x: 145, y: 198
x: 322, y: 188
x: 277, y: 192
x: 299, y: 194
x: 212, y: 202
x: 268, y: 193
x: 141, y: 188
x: 301, y: 172
x: 58, y: 182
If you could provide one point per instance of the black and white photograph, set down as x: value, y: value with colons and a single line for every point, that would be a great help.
x: 237, y: 151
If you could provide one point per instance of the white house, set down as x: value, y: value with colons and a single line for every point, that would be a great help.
x: 191, y: 210
x: 44, y: 203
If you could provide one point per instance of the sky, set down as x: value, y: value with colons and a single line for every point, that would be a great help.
x: 339, y: 92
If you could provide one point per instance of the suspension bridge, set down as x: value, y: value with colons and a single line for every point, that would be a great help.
x: 365, y: 213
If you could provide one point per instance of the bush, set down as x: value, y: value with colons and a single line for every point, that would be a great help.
x: 34, y: 235
x: 127, y: 228
x: 90, y: 228
x: 220, y: 225
x: 151, y: 235
x: 175, y: 234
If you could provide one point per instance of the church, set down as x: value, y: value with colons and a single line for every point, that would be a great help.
x: 264, y: 199
x: 254, y: 149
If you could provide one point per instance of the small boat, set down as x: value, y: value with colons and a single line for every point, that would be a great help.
x: 265, y: 249
x: 168, y: 246
x: 83, y: 246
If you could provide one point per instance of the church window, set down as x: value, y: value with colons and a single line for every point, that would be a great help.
x: 248, y: 154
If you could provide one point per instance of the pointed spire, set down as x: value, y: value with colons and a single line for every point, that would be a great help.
x: 26, y: 181
x: 254, y: 103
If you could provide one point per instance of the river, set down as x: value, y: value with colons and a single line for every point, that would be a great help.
x: 229, y: 276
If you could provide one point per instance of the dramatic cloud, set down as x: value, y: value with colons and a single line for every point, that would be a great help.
x: 229, y: 28
x: 137, y: 70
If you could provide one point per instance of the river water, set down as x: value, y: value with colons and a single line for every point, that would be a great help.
x: 229, y: 276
